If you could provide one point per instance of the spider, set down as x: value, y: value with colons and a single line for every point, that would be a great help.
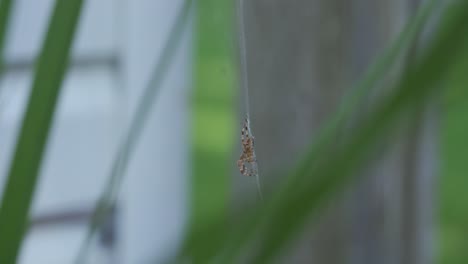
x: 248, y: 152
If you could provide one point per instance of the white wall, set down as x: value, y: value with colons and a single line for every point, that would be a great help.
x: 154, y: 205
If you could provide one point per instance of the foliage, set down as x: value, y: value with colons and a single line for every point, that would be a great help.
x: 24, y: 170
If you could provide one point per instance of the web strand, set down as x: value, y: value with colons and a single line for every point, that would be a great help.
x: 243, y: 57
x: 245, y: 85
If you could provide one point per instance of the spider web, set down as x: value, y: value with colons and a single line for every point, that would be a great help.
x: 245, y: 85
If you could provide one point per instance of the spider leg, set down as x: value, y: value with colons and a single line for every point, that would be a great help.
x: 241, y: 164
x: 244, y: 170
x: 250, y: 172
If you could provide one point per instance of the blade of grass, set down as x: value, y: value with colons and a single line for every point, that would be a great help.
x: 418, y: 82
x: 452, y: 206
x: 6, y: 6
x: 129, y: 141
x: 330, y: 130
x: 24, y: 170
x: 213, y: 113
x: 378, y: 71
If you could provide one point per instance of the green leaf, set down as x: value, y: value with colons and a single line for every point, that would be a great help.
x: 377, y: 71
x: 451, y: 187
x: 24, y: 170
x: 5, y: 12
x: 213, y: 110
x: 213, y: 123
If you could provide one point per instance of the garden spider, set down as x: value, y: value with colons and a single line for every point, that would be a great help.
x: 247, y: 156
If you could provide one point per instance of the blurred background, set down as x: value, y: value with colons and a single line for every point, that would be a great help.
x: 304, y: 56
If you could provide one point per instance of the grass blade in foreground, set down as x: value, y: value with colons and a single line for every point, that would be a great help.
x: 33, y: 136
x: 453, y: 208
x: 5, y: 13
x: 213, y: 115
x: 6, y: 7
x: 128, y: 144
x: 351, y: 102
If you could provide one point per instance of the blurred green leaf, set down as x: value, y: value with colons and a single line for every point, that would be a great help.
x: 213, y: 119
x: 24, y: 170
x: 213, y: 126
x: 377, y: 72
x: 6, y: 7
x: 453, y: 208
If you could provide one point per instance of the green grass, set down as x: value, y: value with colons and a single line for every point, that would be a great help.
x: 453, y: 218
x: 32, y: 139
x: 213, y: 111
x: 453, y: 214
x: 6, y: 7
